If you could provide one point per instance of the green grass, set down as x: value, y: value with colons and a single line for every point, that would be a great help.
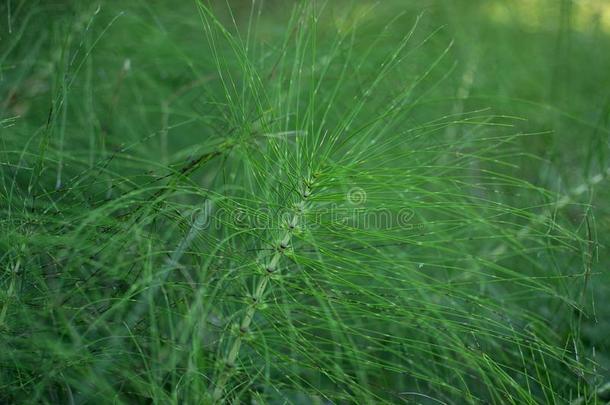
x: 304, y: 202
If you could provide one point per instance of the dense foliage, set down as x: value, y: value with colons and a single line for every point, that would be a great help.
x: 304, y: 202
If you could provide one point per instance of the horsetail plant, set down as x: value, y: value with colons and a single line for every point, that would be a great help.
x: 271, y: 205
x: 271, y: 267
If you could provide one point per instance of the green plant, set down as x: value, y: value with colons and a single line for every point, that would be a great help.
x: 324, y: 235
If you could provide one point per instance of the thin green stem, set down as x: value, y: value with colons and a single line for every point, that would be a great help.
x: 271, y: 268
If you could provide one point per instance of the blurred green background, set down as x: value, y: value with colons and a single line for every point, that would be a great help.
x: 143, y: 67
